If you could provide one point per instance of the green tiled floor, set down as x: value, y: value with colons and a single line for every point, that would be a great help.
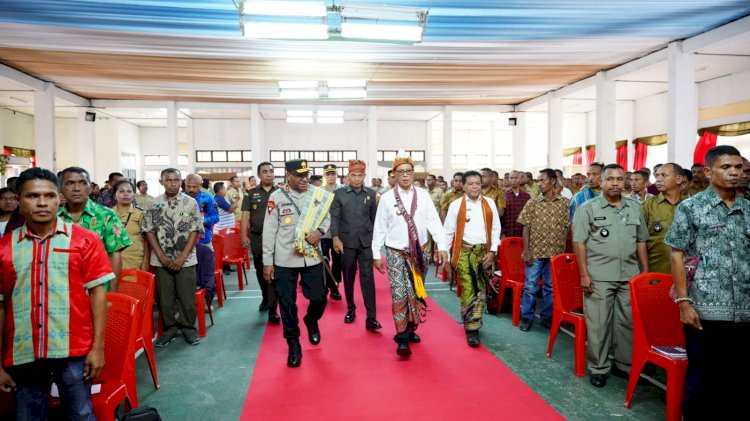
x: 210, y: 381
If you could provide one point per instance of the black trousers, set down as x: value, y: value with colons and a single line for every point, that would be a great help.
x: 313, y: 288
x: 361, y: 257
x: 266, y: 289
x: 716, y: 359
x: 335, y: 258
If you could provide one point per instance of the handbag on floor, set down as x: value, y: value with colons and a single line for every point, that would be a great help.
x: 142, y: 413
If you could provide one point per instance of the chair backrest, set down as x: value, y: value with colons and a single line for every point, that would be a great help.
x: 566, y: 283
x: 232, y: 243
x: 119, y: 336
x: 218, y: 242
x: 656, y: 318
x: 140, y: 285
x: 511, y: 262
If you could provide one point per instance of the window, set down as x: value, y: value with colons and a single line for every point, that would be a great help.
x: 417, y: 155
x: 321, y: 156
x: 247, y: 156
x: 308, y: 155
x: 277, y: 156
x: 223, y: 156
x: 156, y: 160
x: 389, y: 155
x: 219, y: 156
x: 336, y: 156
x: 234, y: 156
x: 203, y: 156
x: 349, y: 155
x: 279, y: 171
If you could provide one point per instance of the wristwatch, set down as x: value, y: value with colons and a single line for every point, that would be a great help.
x: 321, y: 231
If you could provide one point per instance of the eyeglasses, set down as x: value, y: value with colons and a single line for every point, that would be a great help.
x: 404, y: 172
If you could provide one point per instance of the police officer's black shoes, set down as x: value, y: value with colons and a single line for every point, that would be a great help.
x: 263, y: 306
x: 350, y: 316
x: 273, y: 317
x: 335, y: 295
x: 472, y: 337
x: 372, y: 325
x: 403, y: 349
x: 598, y: 380
x: 313, y: 331
x: 414, y: 338
x: 295, y: 353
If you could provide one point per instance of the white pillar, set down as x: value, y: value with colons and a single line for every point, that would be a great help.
x: 257, y: 151
x: 519, y: 143
x: 172, y: 133
x: 428, y: 147
x: 605, y: 119
x: 86, y: 145
x: 682, y: 108
x: 371, y: 151
x: 447, y: 143
x: 191, y: 145
x: 554, y: 131
x: 44, y: 127
x: 493, y: 145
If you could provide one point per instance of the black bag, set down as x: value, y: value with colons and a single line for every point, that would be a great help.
x: 142, y: 413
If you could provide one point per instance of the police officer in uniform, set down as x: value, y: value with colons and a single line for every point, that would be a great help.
x: 284, y: 265
x: 251, y: 232
x: 609, y: 239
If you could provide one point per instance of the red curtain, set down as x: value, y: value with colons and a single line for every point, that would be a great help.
x: 706, y: 142
x: 622, y: 156
x: 641, y: 152
x: 590, y: 155
x: 578, y: 158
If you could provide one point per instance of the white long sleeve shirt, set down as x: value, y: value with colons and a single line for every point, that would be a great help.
x: 391, y: 229
x: 474, y: 230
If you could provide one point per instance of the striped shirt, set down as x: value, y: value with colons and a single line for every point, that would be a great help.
x: 44, y: 287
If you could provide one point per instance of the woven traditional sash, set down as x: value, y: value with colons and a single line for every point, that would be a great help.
x: 312, y: 215
x: 415, y: 248
x: 461, y: 225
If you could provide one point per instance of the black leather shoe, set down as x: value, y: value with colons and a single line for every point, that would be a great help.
x: 350, y: 316
x: 335, y: 295
x: 263, y: 306
x: 295, y: 354
x: 546, y: 323
x: 403, y: 349
x: 472, y: 337
x: 414, y: 338
x: 372, y: 324
x: 598, y: 380
x: 525, y: 325
x: 313, y: 331
x: 273, y: 318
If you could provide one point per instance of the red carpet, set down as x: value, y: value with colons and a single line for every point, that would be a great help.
x: 355, y: 374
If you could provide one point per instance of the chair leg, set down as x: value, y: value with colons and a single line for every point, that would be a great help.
x: 200, y: 307
x: 675, y: 390
x: 636, y: 366
x: 210, y: 311
x: 580, y: 348
x: 517, y: 291
x: 556, y: 320
x: 148, y: 348
x: 240, y: 271
x: 500, y: 296
x: 219, y: 288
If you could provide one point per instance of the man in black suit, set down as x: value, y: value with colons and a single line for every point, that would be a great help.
x: 352, y: 219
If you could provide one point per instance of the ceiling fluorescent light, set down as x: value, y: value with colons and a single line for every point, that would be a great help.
x: 298, y: 84
x: 299, y: 120
x: 330, y: 120
x: 299, y: 113
x: 381, y: 32
x: 284, y: 8
x: 347, y: 83
x: 298, y: 94
x: 346, y: 93
x: 278, y: 30
x: 375, y: 12
x: 331, y: 113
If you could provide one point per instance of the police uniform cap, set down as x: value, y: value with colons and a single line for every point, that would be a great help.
x: 329, y: 168
x: 298, y: 166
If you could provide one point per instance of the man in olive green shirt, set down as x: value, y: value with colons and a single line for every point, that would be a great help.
x: 453, y: 193
x: 609, y: 239
x: 658, y: 213
x: 236, y: 194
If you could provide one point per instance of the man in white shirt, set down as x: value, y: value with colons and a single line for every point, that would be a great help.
x: 405, y: 215
x: 472, y: 223
x: 563, y: 191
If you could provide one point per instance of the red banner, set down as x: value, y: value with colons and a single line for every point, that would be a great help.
x: 578, y: 158
x: 706, y: 142
x: 641, y: 152
x: 622, y: 156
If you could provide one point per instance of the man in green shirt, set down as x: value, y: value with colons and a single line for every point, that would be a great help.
x: 453, y: 193
x: 609, y: 239
x: 75, y: 186
x: 236, y: 194
x: 658, y: 212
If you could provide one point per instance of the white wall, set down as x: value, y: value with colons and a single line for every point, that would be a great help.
x: 651, y: 115
x: 16, y: 129
x: 725, y: 90
x: 221, y: 134
x: 66, y: 143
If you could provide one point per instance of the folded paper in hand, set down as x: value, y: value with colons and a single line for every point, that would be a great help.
x: 55, y: 393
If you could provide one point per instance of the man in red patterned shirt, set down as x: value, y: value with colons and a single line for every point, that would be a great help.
x: 53, y: 304
x: 515, y: 200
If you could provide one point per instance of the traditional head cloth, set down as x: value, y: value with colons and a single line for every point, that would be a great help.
x: 355, y: 165
x: 400, y: 160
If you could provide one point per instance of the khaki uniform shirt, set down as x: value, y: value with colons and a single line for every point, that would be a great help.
x: 279, y: 226
x: 132, y: 219
x: 532, y: 190
x: 436, y: 195
x: 658, y: 214
x: 548, y: 224
x: 610, y: 235
x: 144, y: 201
x: 241, y: 197
x: 448, y: 198
x: 497, y: 195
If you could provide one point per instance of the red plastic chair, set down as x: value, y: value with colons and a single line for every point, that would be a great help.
x: 141, y: 285
x: 656, y: 323
x: 119, y: 341
x: 218, y: 243
x: 238, y: 225
x: 200, y: 309
x: 567, y: 306
x: 234, y: 254
x: 512, y: 274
